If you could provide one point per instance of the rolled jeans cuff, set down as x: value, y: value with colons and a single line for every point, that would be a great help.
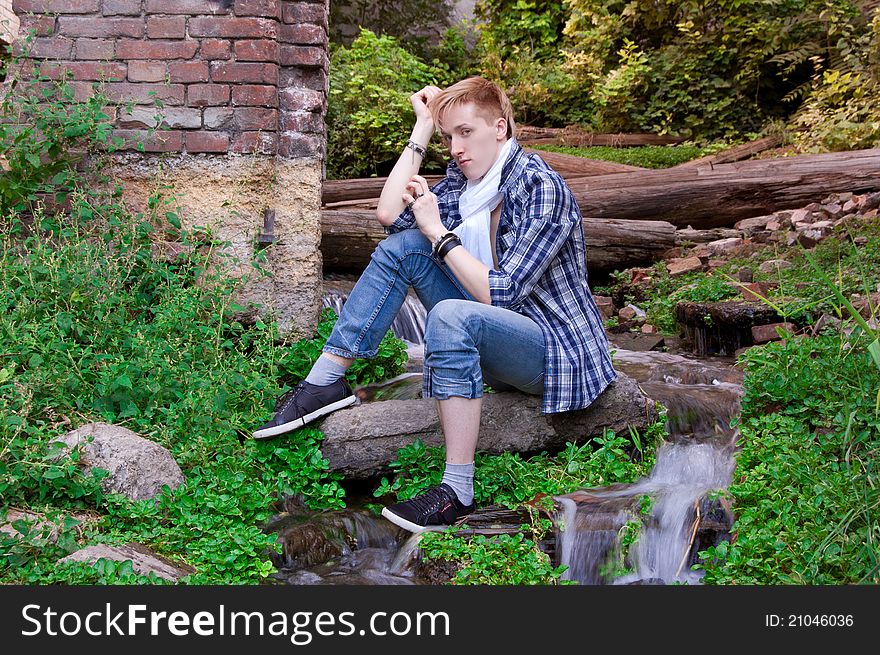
x: 442, y: 388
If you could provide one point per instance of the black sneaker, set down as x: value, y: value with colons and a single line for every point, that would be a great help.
x: 304, y: 403
x: 437, y: 506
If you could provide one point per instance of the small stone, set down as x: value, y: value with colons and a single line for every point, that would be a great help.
x: 647, y: 328
x: 144, y: 561
x: 850, y: 205
x: 773, y: 265
x: 834, y: 209
x: 745, y: 274
x: 605, y: 305
x: 845, y: 197
x: 774, y: 225
x: 766, y: 333
x: 684, y: 265
x: 871, y: 213
x: 860, y: 240
x: 626, y: 313
x: 750, y: 225
x: 721, y: 246
x: 799, y: 215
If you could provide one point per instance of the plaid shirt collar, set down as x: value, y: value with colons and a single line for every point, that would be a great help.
x: 512, y: 169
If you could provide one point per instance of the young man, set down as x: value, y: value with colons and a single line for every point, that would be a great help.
x: 495, y: 252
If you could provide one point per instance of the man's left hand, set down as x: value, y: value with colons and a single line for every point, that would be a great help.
x: 423, y: 203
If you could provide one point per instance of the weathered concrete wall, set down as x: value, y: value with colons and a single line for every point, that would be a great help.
x: 230, y: 194
x: 9, y: 23
x: 244, y: 85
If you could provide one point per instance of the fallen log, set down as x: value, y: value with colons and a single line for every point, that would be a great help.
x: 688, y: 235
x: 718, y: 196
x: 348, y: 238
x: 570, y: 166
x: 359, y: 188
x: 736, y: 153
x: 360, y: 442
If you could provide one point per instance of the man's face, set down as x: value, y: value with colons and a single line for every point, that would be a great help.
x: 474, y: 142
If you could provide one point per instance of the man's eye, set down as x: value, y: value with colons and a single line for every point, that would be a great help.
x: 465, y: 132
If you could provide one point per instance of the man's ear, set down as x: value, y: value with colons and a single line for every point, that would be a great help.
x: 501, y: 127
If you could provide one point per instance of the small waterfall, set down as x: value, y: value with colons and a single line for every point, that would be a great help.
x: 408, y: 325
x: 701, y: 400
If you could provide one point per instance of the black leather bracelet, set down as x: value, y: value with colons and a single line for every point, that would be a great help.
x: 439, y: 241
x: 446, y: 246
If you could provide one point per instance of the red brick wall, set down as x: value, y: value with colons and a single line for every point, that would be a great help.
x: 238, y: 76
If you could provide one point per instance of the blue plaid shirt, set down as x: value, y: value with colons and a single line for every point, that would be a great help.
x: 542, y: 273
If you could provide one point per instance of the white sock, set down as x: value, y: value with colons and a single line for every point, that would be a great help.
x: 461, y: 478
x: 325, y: 371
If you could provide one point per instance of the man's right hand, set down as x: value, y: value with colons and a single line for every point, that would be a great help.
x: 420, y: 100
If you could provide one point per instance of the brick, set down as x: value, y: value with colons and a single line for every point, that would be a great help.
x: 188, y: 71
x: 295, y: 55
x: 257, y: 50
x: 269, y: 8
x: 101, y: 28
x: 204, y: 95
x: 215, y: 49
x: 218, y: 118
x: 298, y: 77
x: 159, y: 141
x: 303, y: 34
x: 302, y: 121
x: 293, y: 145
x: 207, y: 141
x: 133, y: 49
x: 255, y: 95
x: 233, y: 28
x: 95, y: 49
x: 147, y: 71
x: 150, y: 117
x: 144, y: 94
x: 121, y: 8
x: 255, y: 118
x: 166, y: 27
x: 56, y: 6
x: 301, y: 99
x: 51, y: 48
x: 195, y: 7
x: 294, y: 13
x: 84, y: 70
x: 39, y: 25
x: 248, y: 72
x: 263, y: 143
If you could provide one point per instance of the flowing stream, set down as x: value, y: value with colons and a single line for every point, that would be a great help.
x: 667, y: 517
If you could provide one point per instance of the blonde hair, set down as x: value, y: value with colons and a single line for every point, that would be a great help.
x: 491, y: 102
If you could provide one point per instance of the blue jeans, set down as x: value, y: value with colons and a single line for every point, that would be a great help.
x: 467, y: 342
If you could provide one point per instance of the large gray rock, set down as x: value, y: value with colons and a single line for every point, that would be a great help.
x: 144, y: 561
x: 361, y: 441
x: 138, y: 467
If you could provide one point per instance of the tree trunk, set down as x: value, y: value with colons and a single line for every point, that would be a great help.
x: 359, y: 188
x: 574, y: 136
x: 721, y: 195
x: 349, y: 238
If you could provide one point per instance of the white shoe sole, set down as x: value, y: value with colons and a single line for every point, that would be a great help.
x: 301, y: 421
x: 409, y: 525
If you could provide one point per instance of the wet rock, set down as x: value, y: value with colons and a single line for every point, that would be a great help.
x: 766, y: 333
x: 361, y: 441
x: 637, y: 341
x: 138, y: 467
x: 677, y: 267
x: 723, y: 327
x: 144, y: 561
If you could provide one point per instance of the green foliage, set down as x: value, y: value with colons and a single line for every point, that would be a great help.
x: 502, y: 560
x: 841, y: 111
x: 643, y: 156
x: 93, y: 327
x: 369, y: 115
x: 810, y: 431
